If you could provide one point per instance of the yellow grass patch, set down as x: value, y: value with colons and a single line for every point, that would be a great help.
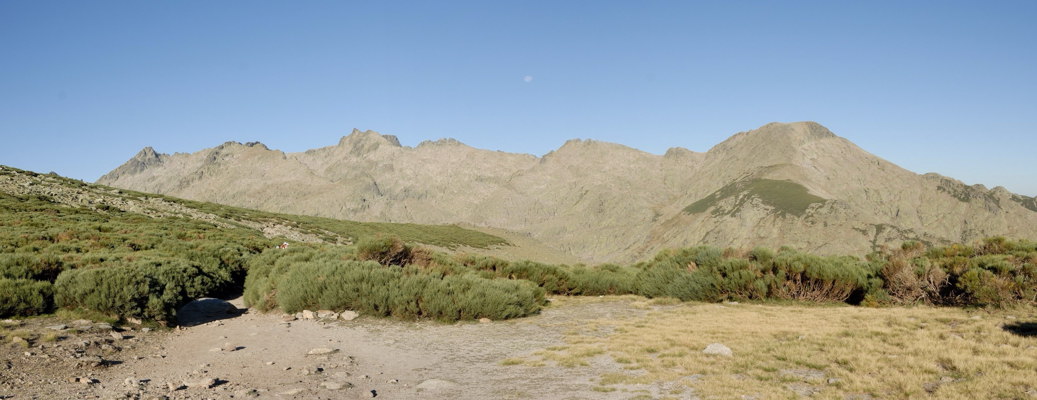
x: 782, y: 351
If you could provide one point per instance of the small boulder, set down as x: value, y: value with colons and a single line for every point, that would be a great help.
x: 718, y: 349
x: 348, y: 315
x: 202, y: 383
x: 326, y: 314
x: 436, y: 384
x: 321, y: 351
x: 332, y: 385
x: 307, y: 314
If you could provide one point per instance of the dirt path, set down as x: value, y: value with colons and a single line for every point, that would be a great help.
x: 261, y: 356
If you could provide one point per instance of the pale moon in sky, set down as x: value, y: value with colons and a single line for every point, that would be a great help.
x: 528, y: 78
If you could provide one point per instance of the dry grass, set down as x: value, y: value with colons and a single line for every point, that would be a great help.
x: 827, y: 351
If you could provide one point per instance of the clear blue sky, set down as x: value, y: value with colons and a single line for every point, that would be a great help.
x: 940, y: 86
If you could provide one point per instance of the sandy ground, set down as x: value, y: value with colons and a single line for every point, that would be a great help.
x: 257, y: 355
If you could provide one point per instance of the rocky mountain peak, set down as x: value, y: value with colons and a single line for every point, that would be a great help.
x: 146, y: 154
x: 795, y: 184
x: 363, y: 142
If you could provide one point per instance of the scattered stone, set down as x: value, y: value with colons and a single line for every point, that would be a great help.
x: 103, y: 326
x: 485, y: 320
x: 326, y: 314
x: 307, y: 314
x: 230, y: 347
x: 134, y: 382
x: 145, y: 330
x: 58, y: 327
x: 116, y: 335
x: 203, y: 383
x: 348, y: 315
x: 331, y: 385
x: 312, y: 370
x: 292, y: 392
x: 175, y: 386
x: 19, y: 341
x: 807, y: 375
x: 135, y: 321
x: 246, y: 393
x: 84, y: 380
x: 321, y: 351
x: 718, y: 349
x: 436, y: 384
x: 90, y: 361
x: 393, y: 381
x: 373, y: 393
x: 270, y: 363
x: 288, y: 318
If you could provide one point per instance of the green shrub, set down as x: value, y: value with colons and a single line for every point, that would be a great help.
x: 373, y: 289
x: 384, y: 250
x: 24, y: 297
x: 35, y: 266
x: 147, y: 289
x: 608, y: 279
x: 670, y: 279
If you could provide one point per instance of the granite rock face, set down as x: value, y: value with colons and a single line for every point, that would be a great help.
x: 795, y: 184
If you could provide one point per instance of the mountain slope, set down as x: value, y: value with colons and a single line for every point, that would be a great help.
x: 794, y: 184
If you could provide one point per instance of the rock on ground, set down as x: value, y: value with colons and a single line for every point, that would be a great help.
x: 718, y: 349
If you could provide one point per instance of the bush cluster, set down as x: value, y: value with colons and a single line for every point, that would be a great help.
x: 994, y: 272
x: 119, y: 264
x: 329, y: 278
x: 24, y: 297
x: 709, y: 274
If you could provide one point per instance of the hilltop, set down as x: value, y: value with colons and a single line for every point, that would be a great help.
x: 795, y: 184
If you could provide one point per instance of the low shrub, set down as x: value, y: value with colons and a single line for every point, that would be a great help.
x: 388, y: 250
x: 23, y: 297
x: 327, y: 282
x: 146, y: 289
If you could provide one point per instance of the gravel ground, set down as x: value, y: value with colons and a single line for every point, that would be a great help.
x: 256, y: 355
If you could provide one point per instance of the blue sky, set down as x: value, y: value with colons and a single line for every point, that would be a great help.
x: 940, y: 86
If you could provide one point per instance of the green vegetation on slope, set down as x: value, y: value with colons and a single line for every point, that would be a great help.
x: 786, y: 197
x: 125, y: 264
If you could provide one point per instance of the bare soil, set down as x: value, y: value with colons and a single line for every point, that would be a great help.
x: 257, y: 355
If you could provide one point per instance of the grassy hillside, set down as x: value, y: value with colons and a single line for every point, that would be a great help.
x: 786, y: 197
x: 65, y: 244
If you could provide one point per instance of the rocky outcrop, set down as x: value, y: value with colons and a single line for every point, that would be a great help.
x: 794, y: 184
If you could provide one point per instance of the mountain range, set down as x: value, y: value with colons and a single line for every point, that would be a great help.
x: 783, y: 184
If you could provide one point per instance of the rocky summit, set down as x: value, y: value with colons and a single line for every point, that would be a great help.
x: 794, y: 184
